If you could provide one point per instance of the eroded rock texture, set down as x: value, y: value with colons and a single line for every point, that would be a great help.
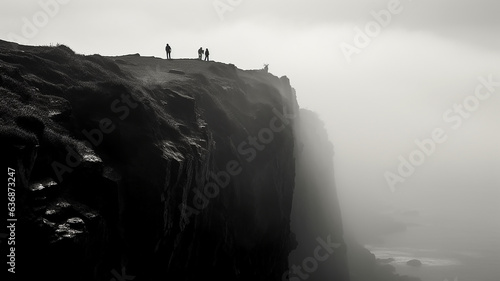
x: 127, y: 169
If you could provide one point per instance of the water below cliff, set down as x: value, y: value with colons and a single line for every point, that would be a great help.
x: 447, y: 249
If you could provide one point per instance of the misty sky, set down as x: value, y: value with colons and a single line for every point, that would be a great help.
x: 393, y: 91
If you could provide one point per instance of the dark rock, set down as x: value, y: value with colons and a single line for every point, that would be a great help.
x: 43, y: 187
x: 131, y: 159
x: 76, y: 223
x: 414, y: 262
x: 65, y: 231
x: 58, y: 212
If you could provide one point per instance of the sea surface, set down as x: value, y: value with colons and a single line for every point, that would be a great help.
x: 448, y: 251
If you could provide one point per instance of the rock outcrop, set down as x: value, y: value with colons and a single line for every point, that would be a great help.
x: 414, y: 262
x: 140, y: 168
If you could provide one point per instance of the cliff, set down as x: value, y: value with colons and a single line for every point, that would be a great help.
x: 316, y: 214
x: 324, y: 252
x: 141, y: 168
x: 138, y: 168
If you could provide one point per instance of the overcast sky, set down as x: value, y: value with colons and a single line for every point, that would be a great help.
x: 376, y: 102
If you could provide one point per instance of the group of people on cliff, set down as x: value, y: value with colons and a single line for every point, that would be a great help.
x: 201, y: 52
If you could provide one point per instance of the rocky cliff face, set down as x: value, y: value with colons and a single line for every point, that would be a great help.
x: 324, y: 252
x: 316, y: 217
x: 136, y: 168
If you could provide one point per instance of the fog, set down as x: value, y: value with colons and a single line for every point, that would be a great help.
x: 376, y: 103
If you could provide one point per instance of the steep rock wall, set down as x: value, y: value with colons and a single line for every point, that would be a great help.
x: 316, y: 216
x: 145, y: 169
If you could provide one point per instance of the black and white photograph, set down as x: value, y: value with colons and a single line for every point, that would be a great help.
x: 250, y: 140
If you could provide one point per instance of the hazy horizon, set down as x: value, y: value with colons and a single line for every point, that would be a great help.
x: 375, y: 102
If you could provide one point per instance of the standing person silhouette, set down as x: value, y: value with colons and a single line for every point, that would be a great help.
x: 207, y: 55
x: 200, y: 53
x: 168, y: 49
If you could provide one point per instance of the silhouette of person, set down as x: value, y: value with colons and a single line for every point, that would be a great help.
x: 207, y: 55
x: 168, y: 49
x: 200, y: 53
